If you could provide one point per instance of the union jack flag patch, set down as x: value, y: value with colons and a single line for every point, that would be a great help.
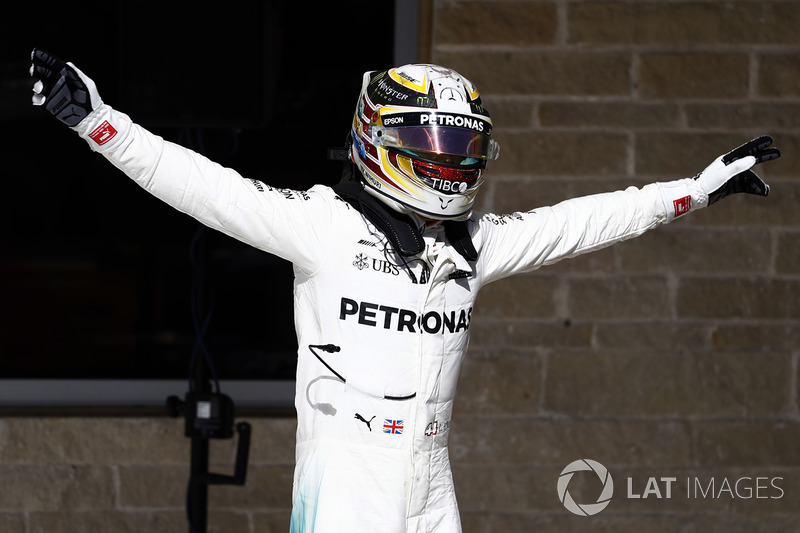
x: 394, y: 427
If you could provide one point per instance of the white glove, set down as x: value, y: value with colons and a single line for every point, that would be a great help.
x: 728, y: 174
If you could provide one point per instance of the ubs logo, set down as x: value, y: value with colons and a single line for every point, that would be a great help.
x: 363, y: 262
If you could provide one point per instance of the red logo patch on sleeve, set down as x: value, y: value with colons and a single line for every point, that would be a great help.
x: 103, y: 133
x: 682, y: 205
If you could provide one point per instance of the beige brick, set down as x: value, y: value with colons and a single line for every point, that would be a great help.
x: 227, y: 522
x: 748, y: 444
x: 667, y: 155
x: 530, y: 193
x: 683, y: 23
x: 530, y: 334
x: 788, y: 255
x: 61, y: 488
x: 789, y: 161
x: 522, y: 296
x: 543, y: 73
x: 116, y: 521
x: 153, y: 486
x: 562, y: 521
x: 651, y: 335
x: 755, y: 338
x: 693, y: 75
x: 274, y: 522
x: 721, y: 298
x: 779, y: 75
x: 562, y: 153
x: 778, y: 209
x: 514, y: 488
x: 679, y: 249
x: 528, y: 441
x: 635, y: 297
x: 271, y: 442
x: 12, y: 522
x: 609, y: 114
x: 267, y: 488
x: 756, y: 117
x: 613, y: 522
x: 740, y: 523
x: 93, y: 440
x: 655, y: 383
x: 518, y: 23
x: 509, y: 114
x: 499, y: 381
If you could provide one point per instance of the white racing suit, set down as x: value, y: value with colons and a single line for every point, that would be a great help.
x: 381, y: 339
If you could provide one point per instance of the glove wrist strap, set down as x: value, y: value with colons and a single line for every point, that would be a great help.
x: 681, y: 197
x: 104, y: 128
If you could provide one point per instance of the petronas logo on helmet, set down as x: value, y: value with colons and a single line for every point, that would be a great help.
x: 452, y: 120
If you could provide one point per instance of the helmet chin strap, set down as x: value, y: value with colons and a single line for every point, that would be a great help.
x: 400, y: 225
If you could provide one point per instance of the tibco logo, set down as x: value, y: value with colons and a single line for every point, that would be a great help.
x: 587, y: 509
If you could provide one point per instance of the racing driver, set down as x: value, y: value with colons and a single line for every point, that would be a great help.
x: 387, y: 265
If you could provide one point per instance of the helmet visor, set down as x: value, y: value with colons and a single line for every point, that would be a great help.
x: 467, y: 144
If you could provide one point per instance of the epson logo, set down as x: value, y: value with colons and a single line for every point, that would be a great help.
x: 395, y: 318
x: 392, y: 121
x: 460, y: 121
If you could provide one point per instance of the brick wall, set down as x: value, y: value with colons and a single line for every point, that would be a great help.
x: 130, y: 474
x: 671, y: 356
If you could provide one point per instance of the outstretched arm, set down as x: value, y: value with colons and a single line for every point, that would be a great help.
x: 525, y: 241
x: 289, y: 224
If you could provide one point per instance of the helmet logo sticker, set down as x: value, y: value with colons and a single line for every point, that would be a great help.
x: 450, y: 93
x: 445, y: 204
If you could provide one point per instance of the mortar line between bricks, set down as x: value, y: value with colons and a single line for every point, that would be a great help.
x: 543, y: 381
x: 752, y: 76
x: 117, y: 484
x: 703, y: 322
x: 680, y: 467
x: 551, y: 417
x: 561, y: 37
x: 607, y: 513
x: 633, y: 130
x: 541, y: 513
x: 774, y: 251
x: 623, y: 48
x: 543, y: 178
x: 625, y: 98
x: 794, y: 397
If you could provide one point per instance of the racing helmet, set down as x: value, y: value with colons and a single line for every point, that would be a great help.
x: 421, y: 139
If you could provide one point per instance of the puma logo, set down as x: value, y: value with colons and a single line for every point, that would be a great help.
x: 367, y: 422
